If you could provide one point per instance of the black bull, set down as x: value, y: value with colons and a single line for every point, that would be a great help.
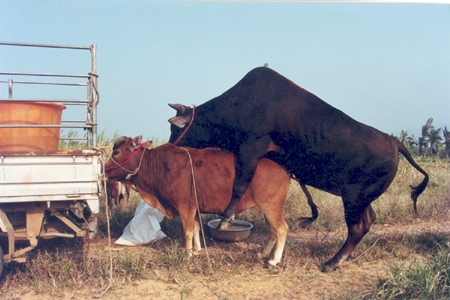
x: 319, y: 144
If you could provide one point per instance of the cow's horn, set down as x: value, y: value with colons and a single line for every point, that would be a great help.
x: 178, y: 107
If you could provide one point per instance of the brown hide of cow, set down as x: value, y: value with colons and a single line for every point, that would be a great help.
x: 164, y: 180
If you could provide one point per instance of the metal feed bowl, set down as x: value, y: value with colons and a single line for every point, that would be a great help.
x: 239, y: 230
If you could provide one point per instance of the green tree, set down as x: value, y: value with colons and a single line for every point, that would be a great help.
x: 446, y: 141
x: 406, y: 140
x: 434, y: 139
x: 424, y: 139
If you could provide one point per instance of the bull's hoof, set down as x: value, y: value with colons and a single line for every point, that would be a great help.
x: 223, y: 225
x: 328, y: 267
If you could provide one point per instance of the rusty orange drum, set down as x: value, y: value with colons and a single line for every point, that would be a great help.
x: 30, y: 113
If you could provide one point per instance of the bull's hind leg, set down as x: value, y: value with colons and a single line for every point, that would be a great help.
x: 358, y: 224
x: 359, y: 214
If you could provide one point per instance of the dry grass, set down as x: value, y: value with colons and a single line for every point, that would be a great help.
x: 80, y: 269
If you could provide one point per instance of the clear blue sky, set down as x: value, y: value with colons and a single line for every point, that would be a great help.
x: 386, y: 65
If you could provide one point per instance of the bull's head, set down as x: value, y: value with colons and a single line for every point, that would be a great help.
x: 124, y: 159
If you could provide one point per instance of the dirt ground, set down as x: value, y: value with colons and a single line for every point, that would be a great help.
x: 293, y: 280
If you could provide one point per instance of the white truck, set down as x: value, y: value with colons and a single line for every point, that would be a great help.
x: 49, y: 185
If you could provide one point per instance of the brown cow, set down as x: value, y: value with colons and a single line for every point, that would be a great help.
x: 163, y: 178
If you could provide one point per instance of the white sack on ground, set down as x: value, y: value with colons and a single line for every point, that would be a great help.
x: 144, y: 228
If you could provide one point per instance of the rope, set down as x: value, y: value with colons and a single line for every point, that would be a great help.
x: 108, y: 226
x: 124, y: 161
x: 187, y: 128
x: 105, y: 190
x: 199, y: 214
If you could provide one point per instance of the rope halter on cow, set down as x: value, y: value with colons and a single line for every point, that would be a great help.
x: 187, y: 128
x: 127, y: 159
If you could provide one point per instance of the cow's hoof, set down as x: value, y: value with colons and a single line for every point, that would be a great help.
x: 327, y: 268
x: 273, y: 262
x: 223, y: 225
x: 272, y: 268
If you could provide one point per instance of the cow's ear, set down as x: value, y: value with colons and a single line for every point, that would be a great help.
x: 147, y: 144
x: 180, y: 108
x: 180, y: 121
x: 137, y: 141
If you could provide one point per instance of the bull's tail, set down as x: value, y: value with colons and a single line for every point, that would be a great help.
x: 415, y: 190
x: 314, y: 208
x: 304, y: 222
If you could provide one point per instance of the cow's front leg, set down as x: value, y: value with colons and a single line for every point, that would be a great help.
x: 197, y: 244
x: 247, y: 159
x: 189, y: 225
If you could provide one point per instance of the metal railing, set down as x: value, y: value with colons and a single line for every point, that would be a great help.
x: 90, y: 123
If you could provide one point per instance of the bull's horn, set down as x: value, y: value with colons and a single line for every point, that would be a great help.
x: 178, y: 107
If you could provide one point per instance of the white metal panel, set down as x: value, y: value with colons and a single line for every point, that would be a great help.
x: 51, y: 188
x: 47, y: 198
x: 48, y: 178
x: 46, y: 159
x: 47, y: 173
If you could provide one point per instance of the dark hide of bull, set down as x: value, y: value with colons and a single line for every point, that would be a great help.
x: 319, y: 144
x: 163, y: 178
